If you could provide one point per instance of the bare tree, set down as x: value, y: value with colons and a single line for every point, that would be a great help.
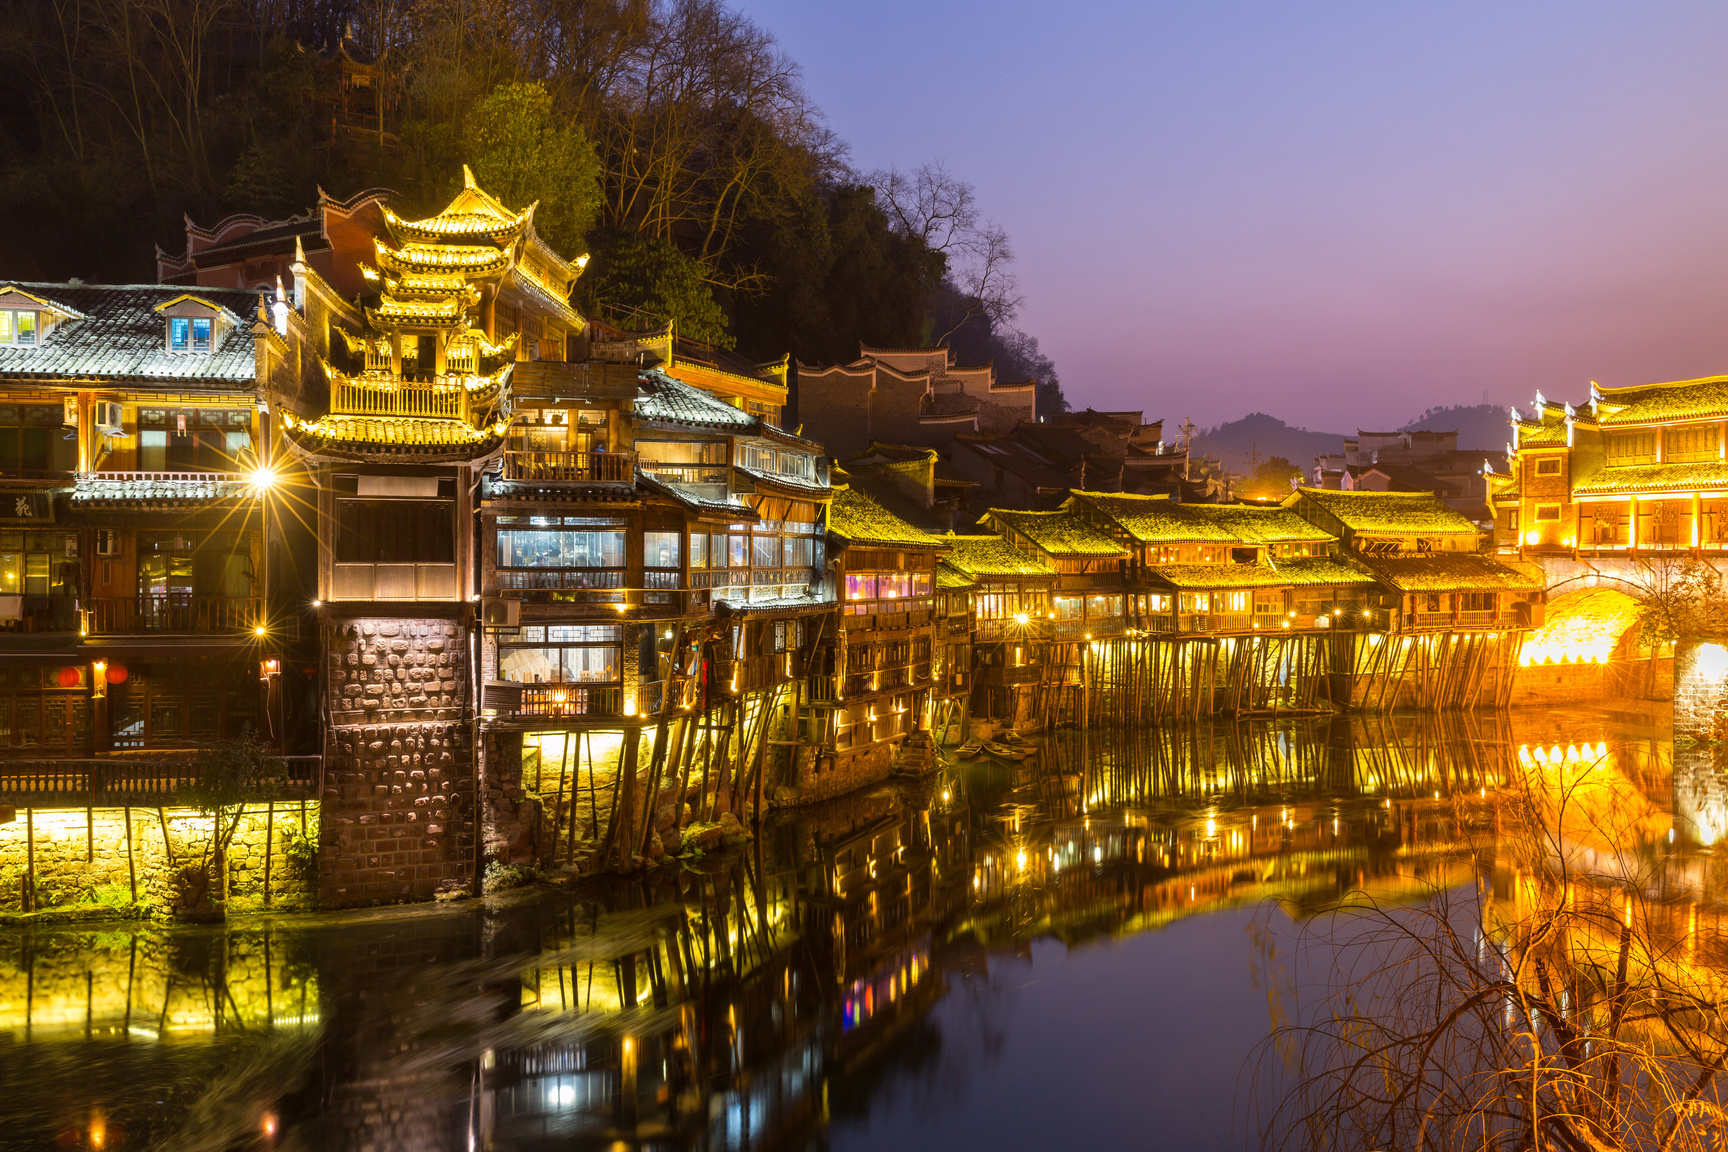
x: 938, y: 209
x: 1565, y: 1003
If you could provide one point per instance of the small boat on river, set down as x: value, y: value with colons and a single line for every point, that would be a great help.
x: 969, y: 750
x: 1004, y: 752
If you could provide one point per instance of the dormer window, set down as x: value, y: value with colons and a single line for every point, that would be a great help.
x: 194, y: 326
x: 18, y: 328
x: 189, y: 334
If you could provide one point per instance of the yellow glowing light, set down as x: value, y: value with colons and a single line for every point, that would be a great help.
x: 1020, y: 858
x: 1532, y: 537
x: 262, y: 479
x: 258, y: 631
x: 1711, y: 661
x: 317, y: 603
x: 1019, y: 617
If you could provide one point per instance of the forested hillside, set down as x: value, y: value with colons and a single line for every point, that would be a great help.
x: 672, y: 139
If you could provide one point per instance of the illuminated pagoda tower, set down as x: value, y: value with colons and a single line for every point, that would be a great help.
x: 414, y: 402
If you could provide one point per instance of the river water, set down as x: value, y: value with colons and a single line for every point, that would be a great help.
x: 1084, y: 949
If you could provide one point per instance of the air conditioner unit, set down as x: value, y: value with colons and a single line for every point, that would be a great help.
x: 107, y: 542
x: 106, y: 414
x: 497, y: 612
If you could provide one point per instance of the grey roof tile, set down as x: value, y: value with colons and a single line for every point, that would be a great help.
x: 122, y: 337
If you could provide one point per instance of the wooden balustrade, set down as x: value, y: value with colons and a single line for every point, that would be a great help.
x: 571, y: 467
x: 685, y: 473
x: 422, y: 401
x: 572, y: 700
x: 48, y: 782
x: 173, y: 612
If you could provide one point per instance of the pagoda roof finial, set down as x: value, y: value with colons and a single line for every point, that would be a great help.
x: 468, y: 177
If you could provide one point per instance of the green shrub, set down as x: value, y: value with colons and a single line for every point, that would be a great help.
x: 501, y: 877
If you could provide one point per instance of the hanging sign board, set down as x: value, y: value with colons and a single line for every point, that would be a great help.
x: 26, y: 507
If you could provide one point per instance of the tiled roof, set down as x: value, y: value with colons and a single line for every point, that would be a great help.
x: 982, y: 556
x: 1218, y: 576
x: 856, y: 517
x: 663, y: 400
x: 1319, y: 573
x: 309, y: 230
x: 1659, y: 403
x: 1394, y: 513
x: 1656, y: 478
x: 1544, y: 435
x: 1160, y: 520
x: 1060, y: 533
x: 93, y: 490
x: 949, y: 577
x: 730, y: 508
x: 123, y: 337
x: 1450, y: 572
x: 391, y: 438
x: 792, y: 486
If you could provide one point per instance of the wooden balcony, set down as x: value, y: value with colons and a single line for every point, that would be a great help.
x: 558, y: 700
x: 174, y: 612
x: 38, y: 613
x: 686, y: 473
x: 570, y: 467
x: 420, y: 401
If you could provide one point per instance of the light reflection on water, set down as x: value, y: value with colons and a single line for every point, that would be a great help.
x: 911, y: 967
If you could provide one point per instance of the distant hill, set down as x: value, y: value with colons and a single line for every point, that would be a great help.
x: 1480, y: 427
x: 1236, y: 442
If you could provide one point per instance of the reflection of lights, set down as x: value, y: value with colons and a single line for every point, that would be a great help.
x: 1020, y: 858
x: 1211, y: 826
x: 269, y: 1124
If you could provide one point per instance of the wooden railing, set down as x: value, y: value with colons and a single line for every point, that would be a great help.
x: 172, y: 612
x: 685, y: 473
x: 572, y: 700
x: 41, y: 614
x: 352, y: 398
x: 111, y: 782
x: 166, y: 477
x: 571, y: 467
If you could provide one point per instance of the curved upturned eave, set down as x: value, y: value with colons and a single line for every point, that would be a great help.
x: 315, y: 447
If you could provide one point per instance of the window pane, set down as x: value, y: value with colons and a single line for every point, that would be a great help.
x: 179, y: 333
x: 543, y: 548
x: 698, y: 550
x: 660, y: 549
x: 740, y: 556
x: 765, y: 552
x: 26, y: 327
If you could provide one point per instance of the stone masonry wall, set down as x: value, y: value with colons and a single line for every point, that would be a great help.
x: 1701, y: 690
x: 399, y: 764
x: 76, y: 856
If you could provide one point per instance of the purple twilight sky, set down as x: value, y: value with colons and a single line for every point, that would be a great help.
x: 1337, y: 213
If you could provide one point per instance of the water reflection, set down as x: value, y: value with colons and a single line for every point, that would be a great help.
x: 757, y: 1002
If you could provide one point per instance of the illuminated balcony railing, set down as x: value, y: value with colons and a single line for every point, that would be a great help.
x: 571, y: 467
x: 419, y: 401
x: 173, y: 612
x: 49, y: 782
x: 685, y: 473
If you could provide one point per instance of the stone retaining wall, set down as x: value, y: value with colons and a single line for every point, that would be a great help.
x: 78, y: 853
x: 399, y: 764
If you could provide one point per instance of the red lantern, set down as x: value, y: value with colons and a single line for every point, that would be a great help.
x: 117, y: 673
x: 68, y: 677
